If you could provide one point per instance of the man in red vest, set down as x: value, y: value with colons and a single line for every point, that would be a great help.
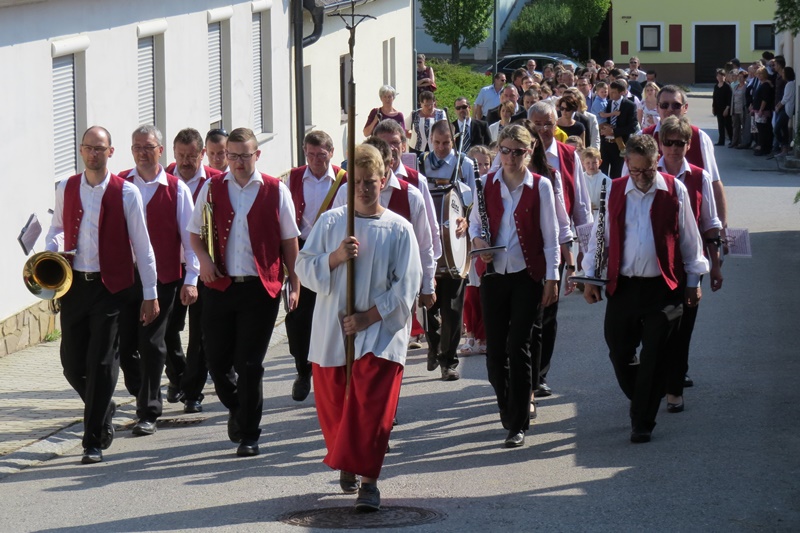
x: 255, y: 238
x: 187, y: 373
x: 100, y: 218
x: 168, y: 207
x: 675, y: 140
x: 310, y: 186
x: 655, y: 260
x: 215, y: 149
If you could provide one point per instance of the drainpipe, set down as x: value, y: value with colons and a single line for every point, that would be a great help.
x: 300, y: 42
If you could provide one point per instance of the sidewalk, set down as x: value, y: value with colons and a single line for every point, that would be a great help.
x: 42, y: 416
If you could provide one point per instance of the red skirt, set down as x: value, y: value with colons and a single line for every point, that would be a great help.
x: 356, y: 430
x: 473, y: 317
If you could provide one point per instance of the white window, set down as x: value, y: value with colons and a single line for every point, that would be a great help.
x: 64, y: 117
x: 215, y: 74
x: 147, y: 80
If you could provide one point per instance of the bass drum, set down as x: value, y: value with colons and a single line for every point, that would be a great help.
x: 455, y: 259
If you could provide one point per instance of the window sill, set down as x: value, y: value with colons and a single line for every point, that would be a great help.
x: 265, y: 137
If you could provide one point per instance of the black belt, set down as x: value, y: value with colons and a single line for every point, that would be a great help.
x: 244, y: 279
x: 86, y: 276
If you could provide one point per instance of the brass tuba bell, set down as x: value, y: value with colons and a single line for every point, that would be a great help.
x: 48, y: 275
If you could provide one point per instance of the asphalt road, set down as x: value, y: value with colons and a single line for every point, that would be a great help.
x: 730, y: 462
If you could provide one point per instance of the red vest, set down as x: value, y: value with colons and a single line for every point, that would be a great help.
x: 116, y: 258
x: 664, y: 219
x: 264, y: 225
x: 296, y: 188
x: 413, y: 176
x: 566, y: 160
x: 399, y: 201
x: 162, y: 226
x: 526, y: 218
x: 695, y: 153
x: 210, y: 173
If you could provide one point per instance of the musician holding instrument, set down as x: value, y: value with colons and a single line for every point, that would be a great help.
x: 250, y: 227
x: 447, y: 170
x: 356, y: 420
x: 100, y: 217
x: 313, y: 187
x: 517, y: 211
x: 655, y: 261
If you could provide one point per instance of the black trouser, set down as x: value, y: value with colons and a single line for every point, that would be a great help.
x: 782, y: 136
x: 450, y: 306
x: 678, y: 361
x: 175, y: 363
x: 646, y: 311
x: 149, y: 342
x: 237, y: 327
x: 512, y: 318
x: 89, y: 356
x: 549, y: 330
x: 612, y: 159
x: 724, y: 125
x: 298, y: 330
x: 195, y: 372
x: 764, y: 136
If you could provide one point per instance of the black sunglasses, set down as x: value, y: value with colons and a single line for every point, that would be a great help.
x: 517, y: 152
x: 462, y: 107
x: 674, y: 105
x: 679, y: 144
x: 217, y: 131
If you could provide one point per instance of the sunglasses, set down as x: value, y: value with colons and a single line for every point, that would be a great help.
x: 217, y: 131
x: 679, y: 144
x: 516, y: 152
x: 674, y: 105
x: 461, y: 107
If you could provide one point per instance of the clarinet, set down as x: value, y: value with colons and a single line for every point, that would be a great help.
x: 600, y: 236
x: 486, y: 233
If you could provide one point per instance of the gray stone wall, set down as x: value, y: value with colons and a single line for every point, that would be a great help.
x: 27, y: 328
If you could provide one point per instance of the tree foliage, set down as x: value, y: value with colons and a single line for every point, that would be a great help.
x: 787, y: 16
x: 557, y: 25
x: 457, y: 23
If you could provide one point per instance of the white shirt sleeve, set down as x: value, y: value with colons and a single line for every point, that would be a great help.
x: 709, y: 160
x: 433, y: 221
x: 140, y: 240
x: 708, y: 208
x: 582, y: 210
x: 196, y: 220
x: 286, y: 213
x: 564, y: 230
x: 422, y: 230
x: 55, y: 235
x: 694, y: 262
x: 548, y: 224
x: 184, y: 214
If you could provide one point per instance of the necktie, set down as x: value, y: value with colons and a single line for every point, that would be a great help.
x: 614, y: 107
x: 465, y: 133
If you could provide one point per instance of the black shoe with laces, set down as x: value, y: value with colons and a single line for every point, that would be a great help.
x: 369, y: 498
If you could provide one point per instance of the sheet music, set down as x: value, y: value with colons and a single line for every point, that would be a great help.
x: 584, y: 236
x: 30, y: 234
x: 409, y: 160
x: 738, y: 242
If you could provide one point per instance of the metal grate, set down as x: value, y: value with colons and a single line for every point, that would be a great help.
x: 349, y: 518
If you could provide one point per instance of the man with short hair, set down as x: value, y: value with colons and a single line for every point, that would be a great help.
x: 633, y: 71
x: 608, y: 65
x: 529, y: 98
x: 622, y: 123
x: 100, y: 218
x: 489, y: 97
x: 255, y: 237
x: 655, y: 260
x: 215, y: 148
x: 471, y: 132
x: 509, y: 94
x: 530, y: 66
x: 187, y: 373
x: 584, y: 85
x: 168, y: 207
x: 651, y: 77
x: 313, y: 187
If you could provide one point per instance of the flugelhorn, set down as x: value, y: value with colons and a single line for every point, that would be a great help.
x: 208, y: 230
x: 48, y: 275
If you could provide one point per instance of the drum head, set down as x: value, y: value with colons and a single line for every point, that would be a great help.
x: 455, y: 250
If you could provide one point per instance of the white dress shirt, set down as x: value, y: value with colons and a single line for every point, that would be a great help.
x: 467, y: 181
x: 708, y: 206
x: 419, y: 222
x: 195, y: 181
x: 513, y: 260
x: 430, y: 208
x: 183, y: 215
x: 314, y: 192
x: 87, y: 254
x: 239, y: 259
x: 639, y: 257
x: 581, y: 204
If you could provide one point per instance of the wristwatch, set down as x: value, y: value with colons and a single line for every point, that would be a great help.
x: 569, y: 267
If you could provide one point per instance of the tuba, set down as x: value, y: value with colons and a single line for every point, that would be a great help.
x: 208, y: 230
x: 48, y: 275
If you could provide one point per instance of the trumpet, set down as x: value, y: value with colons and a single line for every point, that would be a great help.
x: 208, y: 231
x: 48, y: 275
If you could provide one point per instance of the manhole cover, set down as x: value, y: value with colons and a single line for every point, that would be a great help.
x: 174, y: 422
x: 348, y: 518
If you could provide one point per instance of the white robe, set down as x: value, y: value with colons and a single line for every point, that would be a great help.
x: 388, y: 275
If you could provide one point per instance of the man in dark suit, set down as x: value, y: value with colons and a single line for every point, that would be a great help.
x: 473, y: 131
x: 621, y: 125
x: 509, y: 94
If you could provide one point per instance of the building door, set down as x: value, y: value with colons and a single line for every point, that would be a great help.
x: 714, y: 45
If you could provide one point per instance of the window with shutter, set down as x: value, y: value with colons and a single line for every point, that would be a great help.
x: 215, y: 73
x: 147, y: 81
x: 64, y: 117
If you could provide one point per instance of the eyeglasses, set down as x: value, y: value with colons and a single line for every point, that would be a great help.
x: 646, y: 172
x: 319, y: 156
x: 679, y: 144
x: 564, y: 108
x: 239, y: 157
x: 674, y: 105
x: 217, y: 131
x: 147, y: 148
x: 544, y: 126
x: 94, y: 149
x: 462, y: 107
x: 516, y: 152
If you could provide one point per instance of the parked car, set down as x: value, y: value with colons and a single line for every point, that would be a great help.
x: 508, y: 64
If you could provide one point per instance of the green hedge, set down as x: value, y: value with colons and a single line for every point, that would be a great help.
x: 454, y: 80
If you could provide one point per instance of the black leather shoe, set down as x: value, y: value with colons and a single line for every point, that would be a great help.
x: 193, y: 406
x: 533, y: 414
x: 91, y: 456
x: 450, y: 374
x: 543, y: 390
x: 515, y: 439
x: 675, y: 407
x: 234, y: 433
x: 640, y: 436
x: 301, y: 387
x: 687, y: 382
x: 144, y: 427
x: 174, y: 394
x: 247, y: 449
x: 348, y: 482
x: 369, y: 498
x: 107, y: 437
x: 433, y: 362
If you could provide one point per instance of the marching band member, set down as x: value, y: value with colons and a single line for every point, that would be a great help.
x: 313, y: 187
x: 168, y: 207
x: 387, y: 278
x: 100, y: 217
x: 255, y: 235
x: 215, y: 149
x: 520, y: 214
x: 655, y: 260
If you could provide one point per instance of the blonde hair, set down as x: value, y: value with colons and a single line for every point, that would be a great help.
x: 590, y: 153
x: 369, y: 158
x: 516, y: 133
x: 575, y: 141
